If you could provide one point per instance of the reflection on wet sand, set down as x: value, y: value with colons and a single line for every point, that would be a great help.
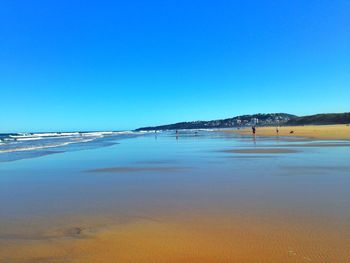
x: 249, y: 156
x: 5, y: 157
x: 212, y: 199
x: 317, y: 145
x: 130, y: 169
x: 260, y: 150
x: 157, y: 162
x: 294, y: 170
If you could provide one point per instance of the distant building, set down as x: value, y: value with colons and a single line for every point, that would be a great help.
x: 254, y: 121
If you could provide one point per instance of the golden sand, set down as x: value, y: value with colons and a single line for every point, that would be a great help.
x: 330, y: 132
x: 204, y: 240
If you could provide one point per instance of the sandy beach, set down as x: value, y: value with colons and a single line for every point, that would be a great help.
x: 322, y: 132
x: 209, y: 239
x: 211, y: 198
x: 137, y: 131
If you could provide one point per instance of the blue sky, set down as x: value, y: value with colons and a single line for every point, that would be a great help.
x: 97, y: 65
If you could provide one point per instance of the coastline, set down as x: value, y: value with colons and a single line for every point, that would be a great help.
x: 189, y: 199
x: 320, y: 132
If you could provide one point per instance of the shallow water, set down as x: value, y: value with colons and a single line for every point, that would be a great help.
x: 267, y: 199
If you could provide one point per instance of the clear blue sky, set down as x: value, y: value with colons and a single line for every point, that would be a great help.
x: 96, y: 65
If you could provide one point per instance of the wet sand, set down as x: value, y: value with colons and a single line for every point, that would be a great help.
x: 316, y: 170
x: 249, y: 156
x: 316, y: 145
x: 213, y: 239
x: 261, y: 150
x: 130, y: 169
x: 183, y: 205
x: 324, y: 132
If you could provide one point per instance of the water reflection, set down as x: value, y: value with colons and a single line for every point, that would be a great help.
x: 203, y: 174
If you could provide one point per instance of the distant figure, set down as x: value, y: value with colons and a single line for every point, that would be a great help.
x: 291, y: 132
x: 277, y: 130
x: 253, y: 130
x: 177, y: 132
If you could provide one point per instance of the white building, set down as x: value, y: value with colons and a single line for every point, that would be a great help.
x: 254, y: 121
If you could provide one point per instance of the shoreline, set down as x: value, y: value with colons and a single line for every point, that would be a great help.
x: 191, y: 200
x: 320, y: 132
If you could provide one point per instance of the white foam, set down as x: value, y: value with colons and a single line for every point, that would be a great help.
x: 30, y: 148
x: 23, y: 140
x: 43, y: 135
x: 29, y: 138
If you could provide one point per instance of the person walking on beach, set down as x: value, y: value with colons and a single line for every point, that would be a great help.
x: 277, y: 130
x: 253, y: 130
